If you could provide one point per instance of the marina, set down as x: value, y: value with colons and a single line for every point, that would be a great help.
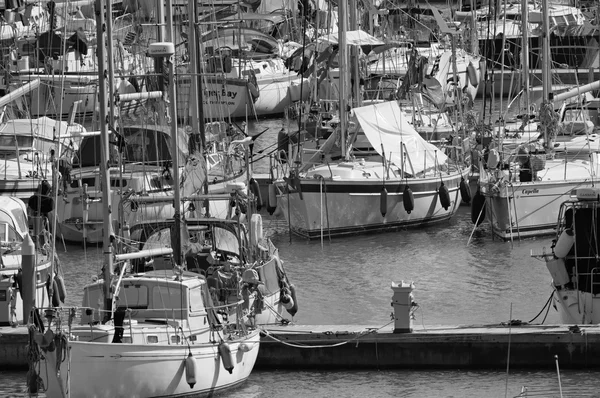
x: 299, y: 199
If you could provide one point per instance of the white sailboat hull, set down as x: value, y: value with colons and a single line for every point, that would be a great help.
x: 576, y: 307
x: 146, y: 370
x: 527, y: 209
x: 343, y: 207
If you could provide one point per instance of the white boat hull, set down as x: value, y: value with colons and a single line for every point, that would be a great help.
x: 576, y: 307
x: 339, y: 208
x: 135, y: 370
x: 527, y: 209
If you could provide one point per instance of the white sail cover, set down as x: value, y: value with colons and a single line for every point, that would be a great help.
x: 386, y: 127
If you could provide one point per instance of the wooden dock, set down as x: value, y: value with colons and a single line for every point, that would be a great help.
x: 373, y: 347
x: 479, y: 346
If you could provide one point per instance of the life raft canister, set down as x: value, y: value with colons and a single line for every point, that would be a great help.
x: 408, y: 199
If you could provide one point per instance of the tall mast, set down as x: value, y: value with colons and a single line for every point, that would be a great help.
x: 343, y: 63
x: 546, y: 60
x: 196, y: 106
x: 525, y: 52
x: 175, y: 155
x: 104, y: 105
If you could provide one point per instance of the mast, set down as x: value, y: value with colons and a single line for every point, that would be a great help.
x: 196, y: 105
x: 546, y: 60
x: 525, y: 52
x: 104, y: 104
x: 173, y: 112
x: 343, y: 74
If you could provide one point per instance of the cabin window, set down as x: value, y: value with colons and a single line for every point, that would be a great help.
x: 152, y: 339
x: 21, y: 140
x: 175, y: 339
x: 118, y: 183
x: 196, y: 302
x: 8, y: 234
x: 164, y: 297
x: 134, y: 296
x: 127, y: 340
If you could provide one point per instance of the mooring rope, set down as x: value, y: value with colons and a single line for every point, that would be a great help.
x: 358, y: 336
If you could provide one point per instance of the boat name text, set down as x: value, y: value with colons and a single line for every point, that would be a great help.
x: 529, y: 191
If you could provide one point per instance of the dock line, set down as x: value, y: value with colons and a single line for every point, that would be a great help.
x: 358, y: 336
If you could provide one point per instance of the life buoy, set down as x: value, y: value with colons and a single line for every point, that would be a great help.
x: 408, y: 199
x: 444, y: 196
x: 190, y: 370
x: 61, y: 289
x: 383, y: 202
x: 472, y: 74
x: 478, y: 208
x: 255, y: 188
x: 532, y: 109
x: 272, y: 199
x: 465, y: 191
x: 226, y: 356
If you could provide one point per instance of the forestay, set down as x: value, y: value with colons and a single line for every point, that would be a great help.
x: 387, y: 128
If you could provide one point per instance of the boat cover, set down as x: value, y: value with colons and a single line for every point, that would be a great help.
x: 386, y: 127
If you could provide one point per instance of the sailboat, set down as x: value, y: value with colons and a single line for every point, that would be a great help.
x: 523, y: 191
x: 572, y: 257
x: 23, y: 283
x: 401, y: 181
x: 150, y: 334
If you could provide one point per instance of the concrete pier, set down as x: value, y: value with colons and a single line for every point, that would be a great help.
x: 372, y: 347
x: 13, y: 347
x: 456, y: 347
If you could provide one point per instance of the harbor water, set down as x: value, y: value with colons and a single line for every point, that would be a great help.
x: 461, y: 276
